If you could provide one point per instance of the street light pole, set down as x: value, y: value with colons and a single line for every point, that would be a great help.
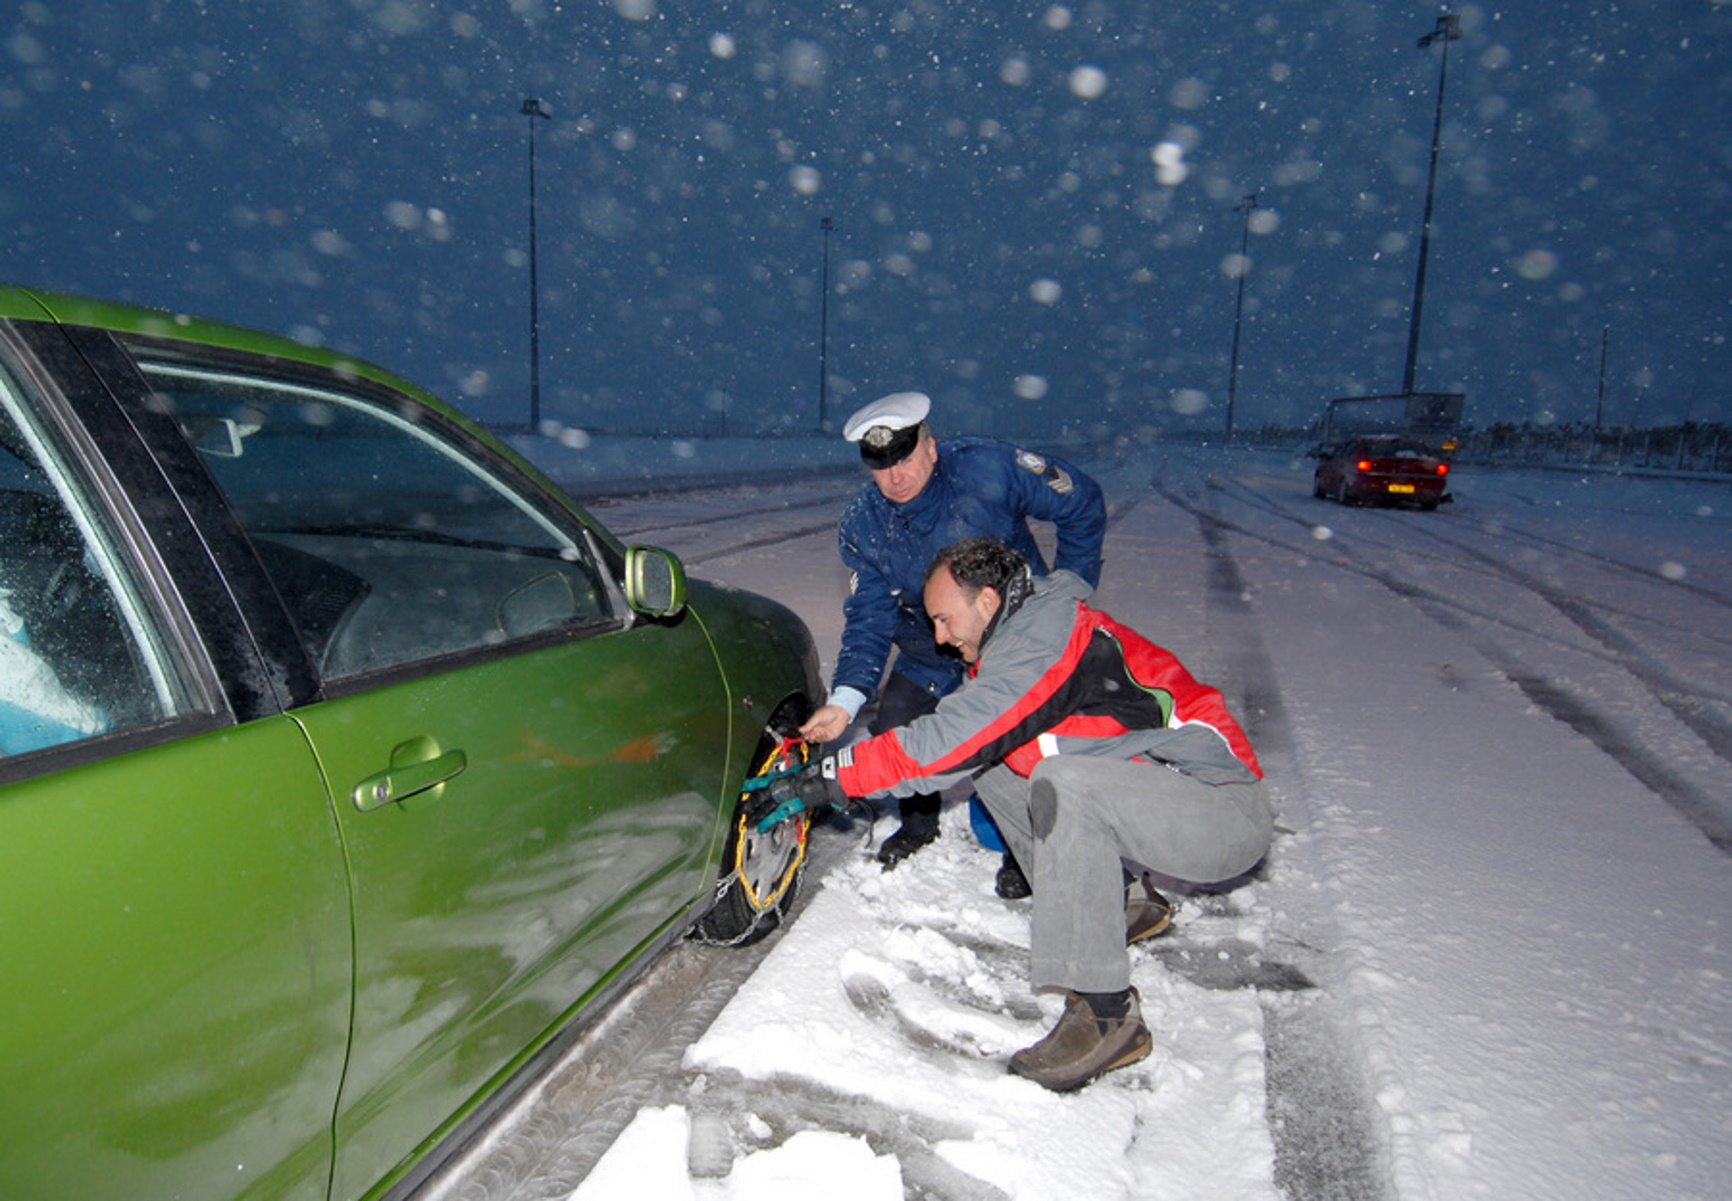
x: 532, y: 109
x: 1245, y: 206
x: 1448, y: 30
x: 824, y: 332
x: 1600, y: 401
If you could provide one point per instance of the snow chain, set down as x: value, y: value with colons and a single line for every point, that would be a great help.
x: 761, y: 907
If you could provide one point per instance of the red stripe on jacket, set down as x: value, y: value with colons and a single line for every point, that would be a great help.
x: 880, y: 762
x: 1013, y: 735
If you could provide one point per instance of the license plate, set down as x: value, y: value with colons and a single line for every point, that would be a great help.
x: 1401, y: 487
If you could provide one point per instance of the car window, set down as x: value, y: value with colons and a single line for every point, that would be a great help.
x: 389, y: 542
x: 78, y: 654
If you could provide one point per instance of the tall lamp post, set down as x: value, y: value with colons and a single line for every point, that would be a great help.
x: 532, y: 109
x: 1245, y: 206
x: 824, y: 332
x: 1448, y: 30
x: 1600, y: 400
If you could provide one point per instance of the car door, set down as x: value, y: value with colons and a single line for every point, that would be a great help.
x: 526, y: 781
x: 174, y: 921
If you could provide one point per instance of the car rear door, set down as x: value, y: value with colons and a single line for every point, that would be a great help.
x: 174, y: 922
x: 526, y: 781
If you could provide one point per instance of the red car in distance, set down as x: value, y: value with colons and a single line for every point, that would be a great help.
x: 1384, y: 469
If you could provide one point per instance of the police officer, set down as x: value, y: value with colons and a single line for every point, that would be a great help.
x: 925, y: 495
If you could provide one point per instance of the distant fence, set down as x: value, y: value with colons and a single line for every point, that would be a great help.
x: 1688, y: 450
x: 1706, y: 449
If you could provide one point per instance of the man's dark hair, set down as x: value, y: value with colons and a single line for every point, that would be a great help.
x: 978, y: 562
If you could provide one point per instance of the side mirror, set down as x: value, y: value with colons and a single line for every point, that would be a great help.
x: 655, y: 583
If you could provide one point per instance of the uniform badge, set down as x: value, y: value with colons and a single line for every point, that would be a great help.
x: 1056, y: 477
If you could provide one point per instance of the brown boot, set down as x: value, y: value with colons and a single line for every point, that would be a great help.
x: 1147, y: 912
x: 1083, y: 1046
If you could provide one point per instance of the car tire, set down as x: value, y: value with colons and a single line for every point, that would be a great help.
x: 761, y: 869
x: 1428, y: 506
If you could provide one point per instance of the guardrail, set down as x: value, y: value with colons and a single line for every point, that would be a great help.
x: 1704, y: 450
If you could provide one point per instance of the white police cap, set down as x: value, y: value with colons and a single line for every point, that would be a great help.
x: 888, y: 429
x: 897, y: 411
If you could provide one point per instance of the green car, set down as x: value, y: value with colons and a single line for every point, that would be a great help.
x: 346, y: 765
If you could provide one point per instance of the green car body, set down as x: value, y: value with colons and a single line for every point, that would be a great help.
x: 354, y: 767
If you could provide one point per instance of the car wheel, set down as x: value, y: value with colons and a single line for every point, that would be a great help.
x: 1428, y: 506
x: 761, y: 869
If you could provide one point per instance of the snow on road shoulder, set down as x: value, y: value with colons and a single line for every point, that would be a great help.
x: 1531, y: 951
x: 893, y: 1005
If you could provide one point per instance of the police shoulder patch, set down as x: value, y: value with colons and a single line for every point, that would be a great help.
x: 1056, y: 477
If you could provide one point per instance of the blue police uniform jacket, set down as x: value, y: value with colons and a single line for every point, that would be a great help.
x: 979, y: 486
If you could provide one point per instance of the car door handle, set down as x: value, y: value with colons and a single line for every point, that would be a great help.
x: 415, y: 767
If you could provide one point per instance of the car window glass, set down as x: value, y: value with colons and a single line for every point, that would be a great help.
x: 78, y: 655
x: 388, y: 543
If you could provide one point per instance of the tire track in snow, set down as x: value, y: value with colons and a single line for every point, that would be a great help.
x: 1251, y: 499
x: 1689, y: 703
x: 1640, y: 572
x: 1683, y: 700
x: 1689, y: 800
x: 1318, y: 1107
x: 723, y: 512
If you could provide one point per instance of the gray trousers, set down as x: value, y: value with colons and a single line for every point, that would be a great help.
x: 1076, y: 819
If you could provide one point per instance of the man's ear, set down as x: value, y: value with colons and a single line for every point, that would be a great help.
x: 992, y: 599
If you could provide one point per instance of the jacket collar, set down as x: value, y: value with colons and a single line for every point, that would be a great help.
x: 1015, y: 593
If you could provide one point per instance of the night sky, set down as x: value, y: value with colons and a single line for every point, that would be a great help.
x: 1036, y: 208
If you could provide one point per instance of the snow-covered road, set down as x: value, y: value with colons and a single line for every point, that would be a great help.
x: 1486, y: 957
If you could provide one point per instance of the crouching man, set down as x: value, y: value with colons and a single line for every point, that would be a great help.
x: 1097, y: 753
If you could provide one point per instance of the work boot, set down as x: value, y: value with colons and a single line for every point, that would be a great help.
x: 1011, y: 884
x: 916, y: 831
x: 1082, y: 1046
x: 1147, y: 912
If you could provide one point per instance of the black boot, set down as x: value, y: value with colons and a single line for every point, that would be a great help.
x: 919, y: 827
x: 1011, y: 884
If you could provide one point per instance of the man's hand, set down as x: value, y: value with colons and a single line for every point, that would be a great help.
x: 808, y: 788
x: 826, y: 725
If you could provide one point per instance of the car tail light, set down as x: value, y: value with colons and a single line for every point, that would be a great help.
x: 1443, y: 469
x: 1363, y: 465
